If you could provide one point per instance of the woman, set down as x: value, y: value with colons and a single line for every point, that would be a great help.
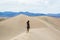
x: 28, y: 26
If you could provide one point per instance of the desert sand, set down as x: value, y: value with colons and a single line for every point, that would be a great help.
x: 37, y: 34
x: 52, y: 20
x: 42, y: 28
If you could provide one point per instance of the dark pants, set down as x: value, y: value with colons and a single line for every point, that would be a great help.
x: 28, y: 29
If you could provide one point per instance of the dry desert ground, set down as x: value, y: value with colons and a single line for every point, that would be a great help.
x: 41, y: 28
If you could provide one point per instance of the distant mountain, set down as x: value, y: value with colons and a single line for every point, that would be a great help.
x: 8, y: 14
x: 12, y: 14
x: 54, y: 15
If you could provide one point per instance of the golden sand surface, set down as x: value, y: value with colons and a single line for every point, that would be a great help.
x: 17, y: 25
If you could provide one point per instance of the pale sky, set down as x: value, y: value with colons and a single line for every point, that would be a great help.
x: 36, y: 6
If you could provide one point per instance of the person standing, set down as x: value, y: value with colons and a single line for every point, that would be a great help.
x: 28, y: 26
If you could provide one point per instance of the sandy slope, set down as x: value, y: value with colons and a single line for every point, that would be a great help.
x: 17, y: 25
x: 51, y: 20
x: 38, y: 34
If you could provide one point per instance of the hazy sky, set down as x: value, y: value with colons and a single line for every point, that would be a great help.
x: 44, y: 6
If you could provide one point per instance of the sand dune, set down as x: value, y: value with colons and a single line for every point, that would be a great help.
x: 38, y: 34
x: 17, y: 25
x: 52, y: 20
